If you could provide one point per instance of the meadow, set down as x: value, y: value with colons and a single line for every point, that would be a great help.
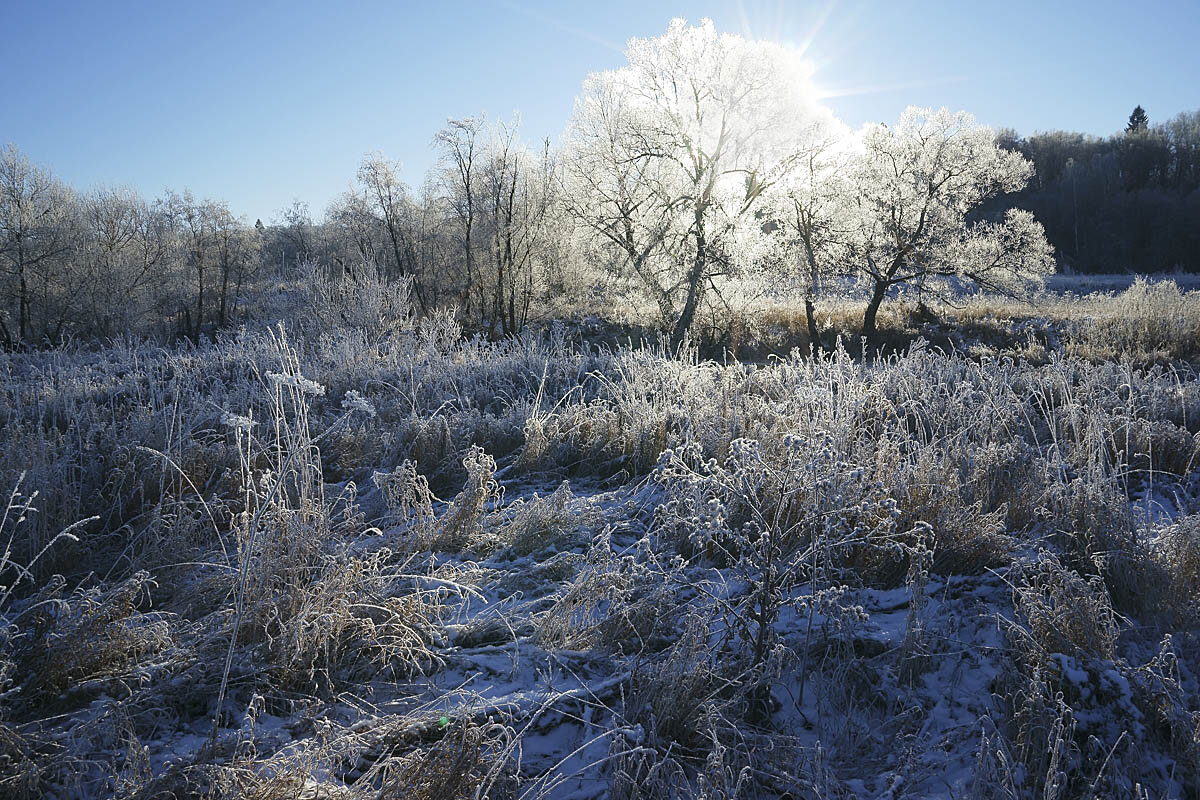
x: 350, y: 552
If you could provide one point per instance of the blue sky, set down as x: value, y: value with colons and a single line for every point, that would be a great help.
x: 258, y: 103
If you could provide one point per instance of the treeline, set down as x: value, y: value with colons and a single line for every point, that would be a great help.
x: 643, y: 202
x: 109, y: 262
x: 1123, y: 203
x: 480, y: 234
x: 484, y: 233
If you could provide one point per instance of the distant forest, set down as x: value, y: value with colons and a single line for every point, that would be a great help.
x: 1123, y: 203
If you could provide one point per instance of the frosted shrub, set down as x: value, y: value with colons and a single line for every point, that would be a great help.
x: 481, y: 494
x: 408, y: 499
x: 319, y: 608
x: 1176, y: 550
x: 320, y: 299
x: 676, y: 701
x: 1065, y: 613
x: 614, y: 602
x: 802, y: 496
x: 355, y: 618
x: 1150, y: 322
x: 1075, y: 720
x: 542, y: 522
x: 789, y: 524
x: 1168, y: 698
x: 91, y: 635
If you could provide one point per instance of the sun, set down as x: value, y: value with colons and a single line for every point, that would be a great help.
x: 797, y: 34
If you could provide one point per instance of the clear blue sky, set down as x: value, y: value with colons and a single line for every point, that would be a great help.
x: 258, y: 103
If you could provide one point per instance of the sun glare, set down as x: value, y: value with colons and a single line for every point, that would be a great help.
x: 798, y: 33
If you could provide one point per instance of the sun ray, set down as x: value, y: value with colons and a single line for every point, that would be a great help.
x: 830, y: 93
x: 579, y: 33
x: 817, y: 26
x: 744, y: 19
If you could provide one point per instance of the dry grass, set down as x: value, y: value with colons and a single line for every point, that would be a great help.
x: 229, y: 557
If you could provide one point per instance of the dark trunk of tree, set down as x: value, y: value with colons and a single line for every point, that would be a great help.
x: 199, y: 305
x: 877, y: 296
x: 224, y: 319
x: 695, y: 284
x: 688, y: 314
x: 23, y: 313
x: 810, y: 316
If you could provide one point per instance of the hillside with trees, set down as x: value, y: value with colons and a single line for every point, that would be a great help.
x: 1129, y: 202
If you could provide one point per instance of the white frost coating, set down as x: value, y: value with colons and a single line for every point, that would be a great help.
x: 353, y: 401
x: 668, y: 159
x: 298, y: 382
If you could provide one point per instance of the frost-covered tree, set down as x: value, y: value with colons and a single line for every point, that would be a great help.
x: 125, y: 249
x: 236, y: 251
x: 908, y: 215
x: 388, y: 198
x: 459, y: 144
x: 518, y: 195
x: 352, y: 232
x: 37, y: 213
x: 806, y: 227
x: 295, y: 234
x: 667, y: 158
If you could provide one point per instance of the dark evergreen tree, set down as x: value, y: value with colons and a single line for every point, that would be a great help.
x: 1138, y: 121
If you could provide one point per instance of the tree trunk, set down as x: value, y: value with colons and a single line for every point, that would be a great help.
x: 23, y: 312
x: 695, y: 284
x: 810, y: 315
x: 688, y: 314
x: 224, y: 319
x: 199, y: 305
x: 877, y: 296
x: 468, y: 253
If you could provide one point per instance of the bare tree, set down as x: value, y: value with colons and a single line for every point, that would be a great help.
x: 125, y: 248
x: 519, y: 190
x: 297, y: 233
x: 387, y: 196
x: 459, y: 142
x: 196, y: 225
x: 35, y: 236
x: 235, y: 250
x: 353, y: 232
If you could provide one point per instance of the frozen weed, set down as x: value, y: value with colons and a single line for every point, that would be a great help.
x: 481, y: 495
x: 1176, y: 550
x: 408, y: 498
x: 557, y: 519
x: 614, y: 602
x: 1065, y: 612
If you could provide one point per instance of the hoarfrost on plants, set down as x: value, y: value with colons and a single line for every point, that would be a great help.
x: 721, y: 452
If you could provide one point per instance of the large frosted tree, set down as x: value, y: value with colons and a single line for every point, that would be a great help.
x: 908, y: 211
x: 668, y: 158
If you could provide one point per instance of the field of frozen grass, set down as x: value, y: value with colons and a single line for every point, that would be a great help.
x: 361, y: 556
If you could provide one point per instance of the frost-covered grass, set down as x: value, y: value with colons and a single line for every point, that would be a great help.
x: 370, y: 558
x: 1137, y: 320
